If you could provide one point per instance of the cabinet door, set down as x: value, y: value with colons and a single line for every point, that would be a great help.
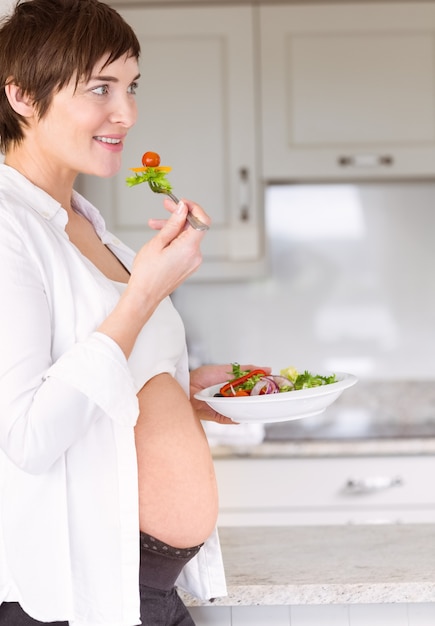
x: 348, y: 91
x: 196, y: 109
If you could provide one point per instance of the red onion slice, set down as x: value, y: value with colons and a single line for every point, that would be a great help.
x: 265, y: 385
x: 282, y: 381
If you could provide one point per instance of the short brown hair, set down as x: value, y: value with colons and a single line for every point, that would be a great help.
x: 44, y: 43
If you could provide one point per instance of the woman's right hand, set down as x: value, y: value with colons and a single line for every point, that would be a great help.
x: 172, y: 255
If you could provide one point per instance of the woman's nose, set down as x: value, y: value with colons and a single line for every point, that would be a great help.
x: 125, y: 111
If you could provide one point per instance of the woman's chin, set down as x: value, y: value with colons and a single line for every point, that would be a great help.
x: 105, y: 172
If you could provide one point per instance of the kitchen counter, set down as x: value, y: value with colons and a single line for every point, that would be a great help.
x: 324, y: 565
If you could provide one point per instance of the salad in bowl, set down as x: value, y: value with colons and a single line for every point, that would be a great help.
x: 257, y: 397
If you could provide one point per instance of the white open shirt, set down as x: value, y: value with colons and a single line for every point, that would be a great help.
x: 69, y: 531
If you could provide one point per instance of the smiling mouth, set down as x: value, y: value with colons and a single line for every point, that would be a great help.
x: 108, y: 140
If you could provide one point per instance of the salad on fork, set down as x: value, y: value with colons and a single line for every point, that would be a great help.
x: 154, y: 174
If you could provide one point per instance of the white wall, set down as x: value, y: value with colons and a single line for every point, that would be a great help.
x: 5, y: 6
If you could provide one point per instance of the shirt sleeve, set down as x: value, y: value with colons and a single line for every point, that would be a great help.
x: 44, y: 406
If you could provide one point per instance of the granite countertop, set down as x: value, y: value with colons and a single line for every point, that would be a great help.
x: 367, y: 564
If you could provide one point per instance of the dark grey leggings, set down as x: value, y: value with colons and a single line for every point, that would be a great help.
x: 160, y: 565
x: 162, y: 608
x: 11, y: 614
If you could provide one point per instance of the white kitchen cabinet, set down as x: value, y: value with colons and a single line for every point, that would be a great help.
x: 348, y: 91
x: 196, y: 104
x: 339, y: 490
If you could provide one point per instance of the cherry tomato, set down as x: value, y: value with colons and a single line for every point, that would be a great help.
x: 151, y: 159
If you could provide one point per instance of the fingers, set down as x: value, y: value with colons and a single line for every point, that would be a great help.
x: 175, y: 224
x: 194, y: 209
x: 171, y: 256
x: 251, y: 367
x: 156, y: 224
x: 212, y: 416
x: 171, y: 206
x: 221, y: 419
x: 179, y: 215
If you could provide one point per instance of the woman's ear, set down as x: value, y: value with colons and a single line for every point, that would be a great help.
x: 19, y: 101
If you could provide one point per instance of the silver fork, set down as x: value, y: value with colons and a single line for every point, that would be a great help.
x: 193, y: 221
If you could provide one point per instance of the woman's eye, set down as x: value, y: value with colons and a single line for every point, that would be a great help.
x: 133, y: 88
x: 102, y: 90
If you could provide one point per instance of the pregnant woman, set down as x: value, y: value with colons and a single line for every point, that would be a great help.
x: 107, y: 489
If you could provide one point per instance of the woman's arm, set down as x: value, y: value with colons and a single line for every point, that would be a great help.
x: 159, y: 268
x: 44, y: 406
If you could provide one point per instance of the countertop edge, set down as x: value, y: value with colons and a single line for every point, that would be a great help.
x: 285, y: 595
x: 327, y: 448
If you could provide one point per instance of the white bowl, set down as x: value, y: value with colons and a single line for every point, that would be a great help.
x: 277, y: 407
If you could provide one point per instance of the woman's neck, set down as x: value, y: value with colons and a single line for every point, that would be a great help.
x: 58, y: 185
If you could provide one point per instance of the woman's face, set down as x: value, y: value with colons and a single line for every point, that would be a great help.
x: 85, y: 127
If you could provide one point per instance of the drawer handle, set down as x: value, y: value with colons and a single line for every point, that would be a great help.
x: 372, y: 484
x: 365, y: 160
x: 244, y: 193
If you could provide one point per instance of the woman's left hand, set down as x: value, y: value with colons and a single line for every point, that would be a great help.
x: 208, y: 375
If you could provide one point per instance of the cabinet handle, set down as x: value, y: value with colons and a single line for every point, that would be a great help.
x: 244, y: 195
x: 365, y: 160
x: 371, y: 484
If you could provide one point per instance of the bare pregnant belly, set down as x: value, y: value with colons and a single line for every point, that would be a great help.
x: 177, y: 486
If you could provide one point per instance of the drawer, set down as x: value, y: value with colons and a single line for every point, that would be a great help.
x: 326, y: 483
